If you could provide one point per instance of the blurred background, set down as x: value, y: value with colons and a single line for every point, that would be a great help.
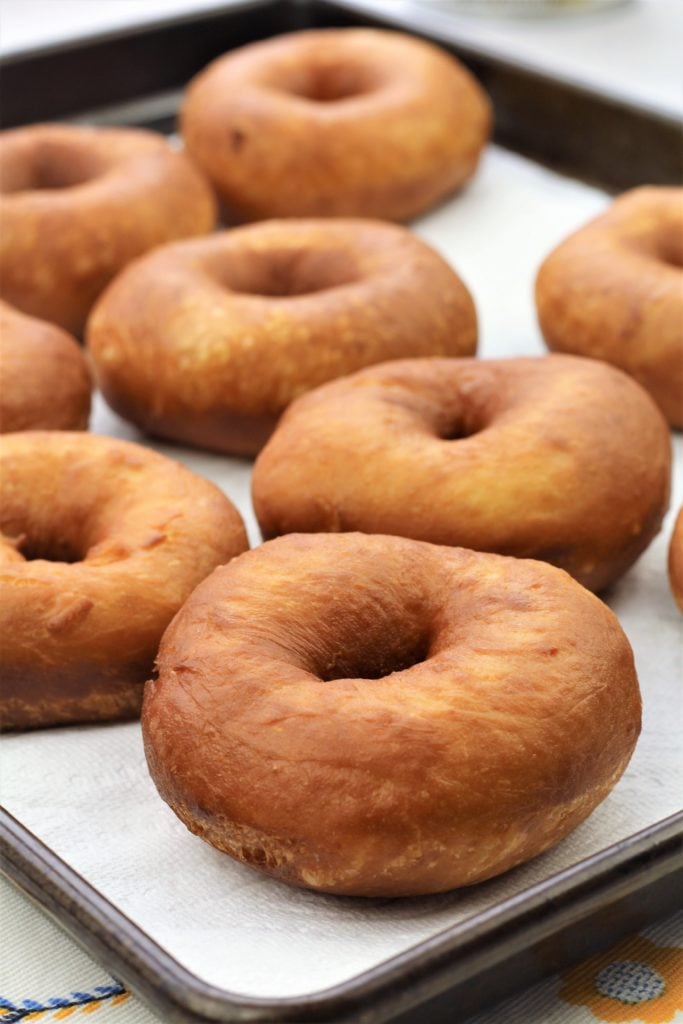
x: 628, y: 48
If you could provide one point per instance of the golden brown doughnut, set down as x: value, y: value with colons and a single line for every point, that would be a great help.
x: 563, y: 459
x: 44, y: 378
x: 374, y: 716
x: 614, y: 291
x: 207, y: 341
x: 338, y: 122
x: 77, y: 204
x: 101, y: 542
x: 676, y: 560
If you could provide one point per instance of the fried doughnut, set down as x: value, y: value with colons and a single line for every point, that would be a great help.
x: 77, y: 204
x: 45, y: 382
x: 207, y: 341
x: 374, y: 716
x: 563, y: 459
x: 340, y: 122
x: 101, y: 542
x: 614, y: 291
x: 676, y: 560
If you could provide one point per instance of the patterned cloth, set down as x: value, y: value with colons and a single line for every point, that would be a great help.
x: 45, y: 977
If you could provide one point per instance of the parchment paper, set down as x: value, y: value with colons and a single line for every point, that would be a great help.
x: 86, y: 793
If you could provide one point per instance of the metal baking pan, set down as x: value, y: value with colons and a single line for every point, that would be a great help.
x: 134, y: 77
x: 489, y: 956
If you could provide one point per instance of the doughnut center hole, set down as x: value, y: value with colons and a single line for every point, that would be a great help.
x: 329, y: 82
x: 457, y: 428
x: 49, y: 549
x: 288, y: 273
x: 49, y: 167
x: 671, y: 251
x: 455, y: 432
x: 377, y: 660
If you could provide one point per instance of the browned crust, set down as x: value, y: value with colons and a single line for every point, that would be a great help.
x: 563, y: 459
x: 265, y: 735
x: 207, y: 341
x: 123, y: 191
x: 614, y: 291
x: 78, y: 638
x: 44, y: 378
x: 412, y: 134
x: 676, y: 560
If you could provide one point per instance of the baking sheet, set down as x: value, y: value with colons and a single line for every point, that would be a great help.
x: 85, y: 791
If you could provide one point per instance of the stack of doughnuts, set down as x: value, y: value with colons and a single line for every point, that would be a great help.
x: 403, y: 689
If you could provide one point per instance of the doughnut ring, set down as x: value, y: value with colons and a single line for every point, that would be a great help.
x: 562, y: 459
x: 375, y: 716
x: 101, y: 542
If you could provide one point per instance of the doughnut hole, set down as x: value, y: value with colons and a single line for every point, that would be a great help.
x: 457, y: 417
x: 49, y: 549
x: 37, y: 535
x: 326, y: 81
x: 670, y: 249
x: 662, y: 242
x: 459, y: 427
x: 379, y: 631
x: 66, y: 541
x: 90, y: 520
x: 48, y: 165
x: 370, y: 661
x: 286, y: 273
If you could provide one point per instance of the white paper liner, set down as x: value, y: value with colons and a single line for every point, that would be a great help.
x: 86, y: 793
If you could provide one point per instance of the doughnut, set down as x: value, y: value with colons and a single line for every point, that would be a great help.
x: 376, y: 716
x: 45, y: 378
x: 561, y: 459
x: 337, y: 122
x: 676, y: 560
x: 77, y: 204
x: 206, y: 342
x: 614, y: 291
x: 101, y: 542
